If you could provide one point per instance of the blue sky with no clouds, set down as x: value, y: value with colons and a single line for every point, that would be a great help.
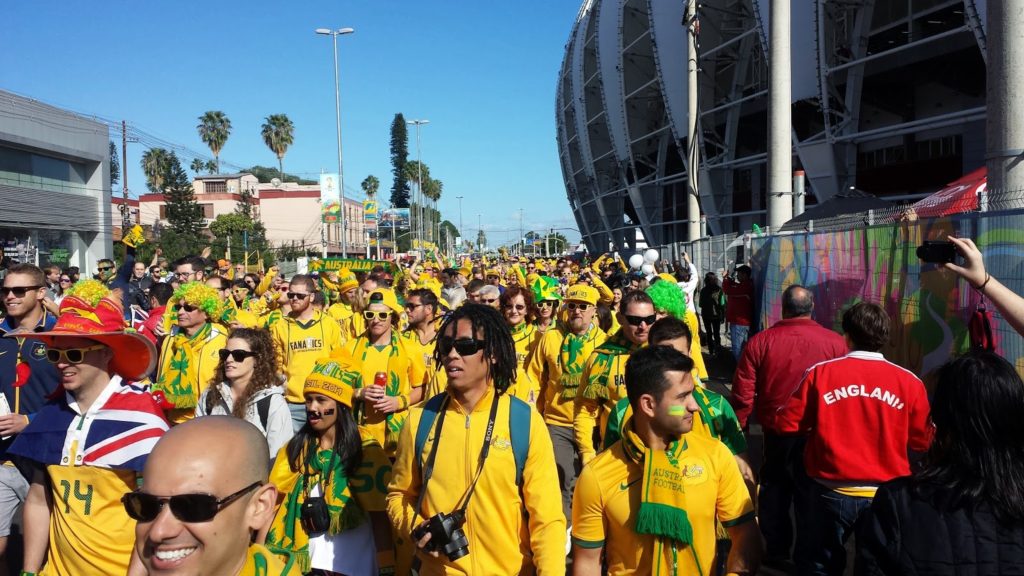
x: 483, y: 72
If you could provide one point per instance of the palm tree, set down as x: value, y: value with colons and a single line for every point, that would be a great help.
x: 155, y: 162
x: 370, y: 185
x: 278, y: 135
x: 197, y: 166
x: 214, y: 129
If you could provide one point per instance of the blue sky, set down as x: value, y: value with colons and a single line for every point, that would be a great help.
x: 483, y: 72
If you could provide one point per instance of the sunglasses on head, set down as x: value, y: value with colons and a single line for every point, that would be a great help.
x: 70, y: 355
x: 188, y: 307
x: 18, y: 291
x: 581, y: 306
x: 297, y: 295
x: 370, y: 315
x: 143, y: 507
x: 236, y: 355
x: 462, y: 346
x: 638, y: 320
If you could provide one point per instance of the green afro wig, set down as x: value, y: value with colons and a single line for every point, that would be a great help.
x: 668, y: 296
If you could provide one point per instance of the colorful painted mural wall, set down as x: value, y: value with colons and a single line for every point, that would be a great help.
x: 930, y: 306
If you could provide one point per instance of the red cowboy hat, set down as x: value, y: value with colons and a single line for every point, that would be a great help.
x: 134, y: 355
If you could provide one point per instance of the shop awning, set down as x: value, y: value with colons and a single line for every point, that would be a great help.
x: 958, y: 196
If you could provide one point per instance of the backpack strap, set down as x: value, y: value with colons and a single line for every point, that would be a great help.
x: 263, y: 410
x: 519, y: 416
x: 430, y: 410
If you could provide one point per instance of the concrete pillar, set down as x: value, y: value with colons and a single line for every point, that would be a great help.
x: 780, y: 117
x: 1005, y: 118
x: 799, y: 192
x: 693, y: 153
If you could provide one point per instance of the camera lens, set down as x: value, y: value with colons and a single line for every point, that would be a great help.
x: 458, y: 546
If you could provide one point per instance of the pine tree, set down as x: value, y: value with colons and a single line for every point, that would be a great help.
x: 399, y: 158
x: 184, y: 214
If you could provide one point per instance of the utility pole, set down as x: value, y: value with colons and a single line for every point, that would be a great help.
x: 522, y: 239
x: 780, y: 117
x: 693, y: 152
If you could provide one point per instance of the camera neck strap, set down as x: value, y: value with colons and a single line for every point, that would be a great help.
x: 428, y: 467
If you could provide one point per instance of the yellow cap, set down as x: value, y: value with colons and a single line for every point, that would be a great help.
x: 346, y: 280
x: 386, y: 297
x: 582, y: 293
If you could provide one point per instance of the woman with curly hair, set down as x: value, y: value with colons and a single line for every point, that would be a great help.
x: 246, y: 386
x: 517, y: 308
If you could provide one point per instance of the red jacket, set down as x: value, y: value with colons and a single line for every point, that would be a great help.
x: 739, y: 301
x: 774, y: 362
x: 860, y: 413
x: 156, y: 316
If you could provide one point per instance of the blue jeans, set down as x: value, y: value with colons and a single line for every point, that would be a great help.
x: 738, y: 334
x: 298, y: 415
x: 824, y: 519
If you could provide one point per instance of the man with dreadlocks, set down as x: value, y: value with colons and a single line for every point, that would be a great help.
x: 498, y: 477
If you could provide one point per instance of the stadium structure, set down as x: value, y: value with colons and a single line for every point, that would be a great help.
x: 888, y: 97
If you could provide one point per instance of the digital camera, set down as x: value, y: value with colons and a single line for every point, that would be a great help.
x: 446, y: 535
x: 314, y: 515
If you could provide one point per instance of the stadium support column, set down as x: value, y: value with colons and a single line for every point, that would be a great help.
x: 780, y: 113
x: 1005, y: 124
x: 693, y: 216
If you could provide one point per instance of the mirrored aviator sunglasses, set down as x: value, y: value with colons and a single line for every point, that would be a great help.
x: 143, y: 507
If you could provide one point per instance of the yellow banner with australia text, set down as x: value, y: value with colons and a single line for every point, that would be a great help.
x: 353, y: 264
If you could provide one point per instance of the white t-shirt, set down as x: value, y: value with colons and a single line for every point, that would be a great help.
x: 353, y: 552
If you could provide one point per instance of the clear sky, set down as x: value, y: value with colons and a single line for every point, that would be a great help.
x: 483, y: 72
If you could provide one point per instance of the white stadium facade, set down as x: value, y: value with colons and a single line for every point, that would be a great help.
x: 888, y: 97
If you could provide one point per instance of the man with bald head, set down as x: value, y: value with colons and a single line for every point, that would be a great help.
x: 205, y: 495
x: 769, y: 372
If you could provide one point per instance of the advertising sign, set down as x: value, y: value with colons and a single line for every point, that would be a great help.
x: 370, y: 213
x: 330, y: 198
x: 396, y: 217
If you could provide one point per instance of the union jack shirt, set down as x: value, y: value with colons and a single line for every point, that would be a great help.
x: 117, y: 432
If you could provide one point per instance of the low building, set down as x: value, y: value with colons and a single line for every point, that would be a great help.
x: 54, y: 185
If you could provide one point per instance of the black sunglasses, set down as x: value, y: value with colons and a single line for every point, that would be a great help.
x: 297, y: 295
x: 18, y: 291
x: 238, y: 355
x: 189, y: 307
x: 638, y: 320
x: 105, y: 268
x: 143, y: 507
x: 462, y: 346
x: 582, y: 306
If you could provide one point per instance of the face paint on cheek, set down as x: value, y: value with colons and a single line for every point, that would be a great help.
x: 677, y: 411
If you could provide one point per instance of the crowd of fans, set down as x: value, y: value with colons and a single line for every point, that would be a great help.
x: 204, y: 417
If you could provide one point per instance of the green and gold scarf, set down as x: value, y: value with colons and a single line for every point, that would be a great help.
x: 572, y: 359
x: 394, y: 420
x: 596, y: 387
x: 286, y: 535
x: 179, y: 378
x: 662, y: 511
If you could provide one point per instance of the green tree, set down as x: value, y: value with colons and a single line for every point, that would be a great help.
x: 481, y: 240
x: 214, y: 128
x: 115, y: 165
x: 197, y: 165
x: 184, y: 214
x: 155, y: 163
x: 246, y: 199
x: 399, y: 158
x: 211, y: 167
x: 244, y: 233
x: 370, y: 185
x: 265, y: 174
x: 446, y: 238
x: 278, y: 134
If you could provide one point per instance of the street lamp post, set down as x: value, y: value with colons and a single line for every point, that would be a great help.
x: 419, y: 179
x: 460, y: 218
x: 337, y: 113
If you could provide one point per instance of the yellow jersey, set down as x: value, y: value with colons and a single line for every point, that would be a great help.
x: 556, y: 365
x: 90, y: 533
x: 607, y: 498
x: 511, y: 530
x: 525, y: 337
x: 602, y: 386
x: 405, y: 371
x: 299, y: 345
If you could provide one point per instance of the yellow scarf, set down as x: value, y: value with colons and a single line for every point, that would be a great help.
x: 179, y: 378
x: 662, y: 511
x: 260, y: 562
x: 287, y: 537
